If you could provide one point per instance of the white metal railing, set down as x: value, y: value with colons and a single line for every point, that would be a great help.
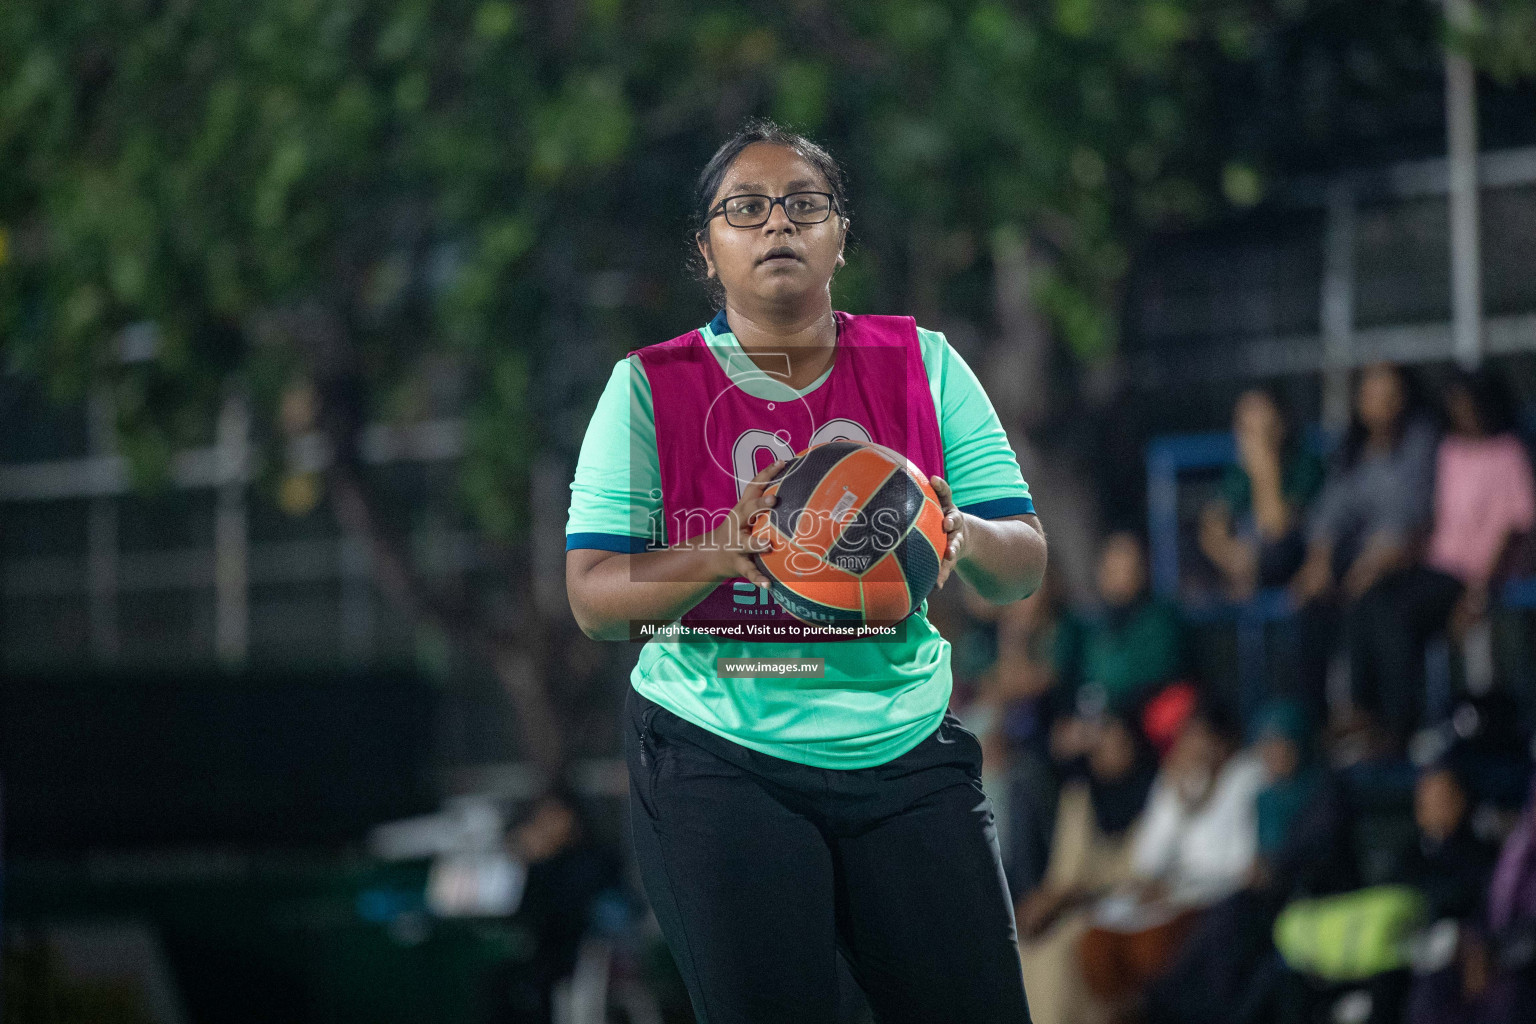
x: 103, y: 574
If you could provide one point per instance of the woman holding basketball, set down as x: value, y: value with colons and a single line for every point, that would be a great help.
x: 781, y: 821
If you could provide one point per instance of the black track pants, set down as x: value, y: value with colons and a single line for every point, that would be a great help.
x: 761, y: 871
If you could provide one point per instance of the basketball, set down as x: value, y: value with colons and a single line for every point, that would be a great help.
x: 856, y: 536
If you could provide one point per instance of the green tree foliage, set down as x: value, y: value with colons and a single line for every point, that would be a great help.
x: 289, y: 196
x: 1502, y: 38
x: 334, y: 196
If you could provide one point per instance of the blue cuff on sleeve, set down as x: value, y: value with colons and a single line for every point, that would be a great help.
x: 998, y: 508
x: 620, y: 542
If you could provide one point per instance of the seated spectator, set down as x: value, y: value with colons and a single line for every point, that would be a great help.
x: 1252, y: 532
x: 1451, y: 866
x: 1012, y: 714
x: 1022, y: 681
x: 1195, y: 846
x: 1125, y: 649
x: 1485, y: 499
x: 1493, y: 978
x: 1102, y: 798
x: 1229, y: 970
x: 1369, y: 519
x: 971, y: 624
x: 570, y: 875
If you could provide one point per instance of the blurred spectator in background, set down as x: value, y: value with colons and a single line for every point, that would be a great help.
x: 1195, y: 846
x: 1103, y: 795
x: 1012, y: 714
x: 1124, y: 649
x: 1229, y: 971
x: 572, y: 880
x: 1492, y: 979
x: 1252, y: 532
x: 1302, y: 813
x: 1485, y: 500
x: 970, y: 624
x: 1450, y: 865
x: 1369, y: 520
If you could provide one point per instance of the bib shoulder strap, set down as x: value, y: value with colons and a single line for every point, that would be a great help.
x: 660, y: 351
x: 875, y: 328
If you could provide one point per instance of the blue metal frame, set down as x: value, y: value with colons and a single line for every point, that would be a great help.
x: 1168, y: 456
x: 1519, y: 593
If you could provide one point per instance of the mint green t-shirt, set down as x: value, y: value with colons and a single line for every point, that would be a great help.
x: 878, y: 697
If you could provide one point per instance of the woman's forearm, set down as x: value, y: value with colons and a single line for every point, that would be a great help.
x: 1501, y: 552
x: 1229, y: 554
x: 1272, y: 514
x: 650, y: 586
x: 1004, y: 559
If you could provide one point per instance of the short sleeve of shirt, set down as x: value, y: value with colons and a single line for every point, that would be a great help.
x: 616, y: 493
x: 979, y: 464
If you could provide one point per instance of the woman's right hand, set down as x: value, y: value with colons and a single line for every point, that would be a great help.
x: 1314, y: 579
x: 731, y: 543
x: 1237, y: 560
x: 1039, y: 910
x: 1469, y: 610
x: 1215, y: 530
x: 1260, y: 459
x: 1070, y: 739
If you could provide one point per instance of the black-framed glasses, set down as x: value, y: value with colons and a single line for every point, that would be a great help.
x: 750, y: 211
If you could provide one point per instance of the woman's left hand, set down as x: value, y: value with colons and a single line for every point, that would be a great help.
x: 1380, y: 559
x: 954, y: 527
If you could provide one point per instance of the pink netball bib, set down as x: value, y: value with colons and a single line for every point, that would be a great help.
x: 713, y: 437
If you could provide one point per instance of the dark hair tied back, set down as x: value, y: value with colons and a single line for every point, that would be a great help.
x: 751, y: 132
x: 1491, y: 400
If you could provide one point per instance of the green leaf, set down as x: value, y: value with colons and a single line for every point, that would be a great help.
x: 1242, y: 184
x: 802, y: 94
x: 1077, y: 18
x: 495, y: 21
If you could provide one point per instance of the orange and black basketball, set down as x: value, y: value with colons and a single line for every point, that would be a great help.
x: 856, y: 536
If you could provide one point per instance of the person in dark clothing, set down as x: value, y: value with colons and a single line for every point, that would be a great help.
x: 1367, y: 525
x: 1012, y: 715
x: 1493, y: 978
x: 568, y: 872
x: 1451, y: 866
x: 1229, y: 971
x: 1305, y: 845
x: 1102, y: 798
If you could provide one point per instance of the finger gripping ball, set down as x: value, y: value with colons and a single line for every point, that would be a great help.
x: 855, y: 538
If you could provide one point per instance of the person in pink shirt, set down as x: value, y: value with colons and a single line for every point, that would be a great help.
x: 1484, y: 499
x: 1484, y: 495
